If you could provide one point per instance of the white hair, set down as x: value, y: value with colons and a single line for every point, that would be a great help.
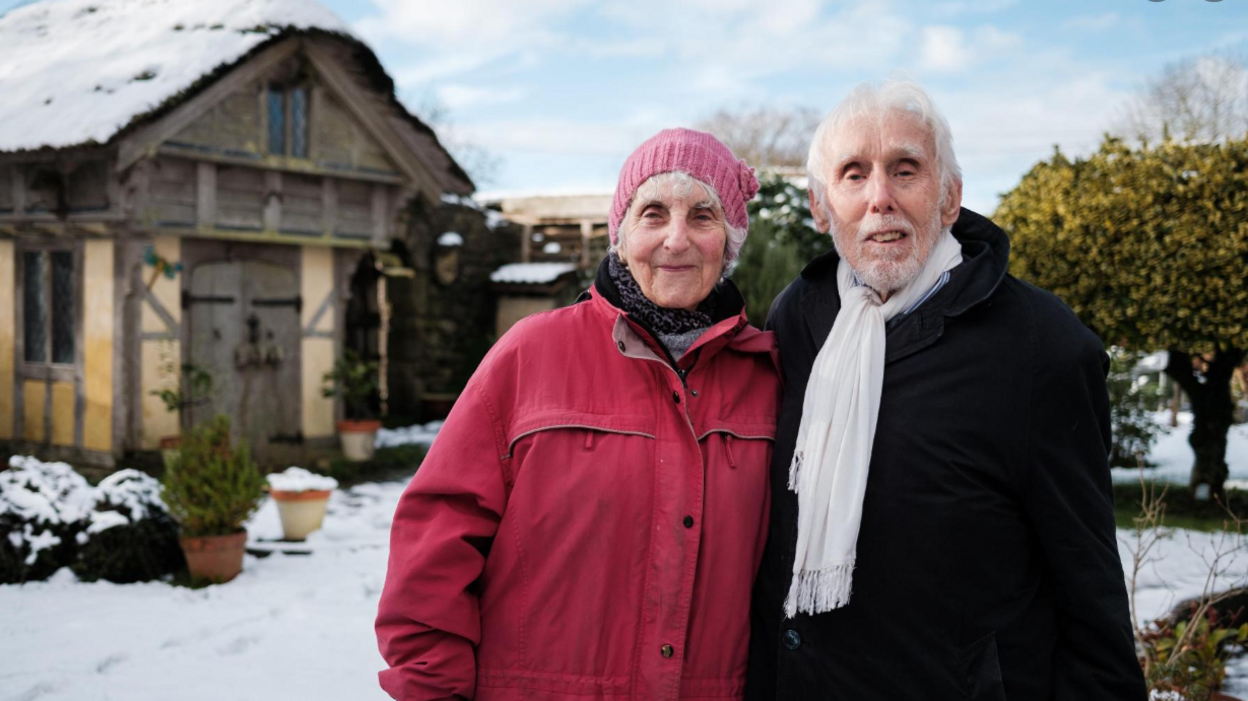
x: 868, y: 102
x: 680, y: 184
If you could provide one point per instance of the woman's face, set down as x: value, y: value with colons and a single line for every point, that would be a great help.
x: 674, y: 246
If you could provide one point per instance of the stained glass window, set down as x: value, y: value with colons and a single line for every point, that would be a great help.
x: 277, y: 122
x: 35, y: 307
x: 299, y: 123
x: 62, y: 307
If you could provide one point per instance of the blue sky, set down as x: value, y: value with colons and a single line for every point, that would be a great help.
x: 561, y: 90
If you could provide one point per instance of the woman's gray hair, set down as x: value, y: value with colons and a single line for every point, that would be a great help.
x: 680, y: 184
x: 870, y: 102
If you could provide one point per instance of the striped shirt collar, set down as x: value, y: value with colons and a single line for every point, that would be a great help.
x: 940, y: 282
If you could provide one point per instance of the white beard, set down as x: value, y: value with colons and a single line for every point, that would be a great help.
x: 887, y: 275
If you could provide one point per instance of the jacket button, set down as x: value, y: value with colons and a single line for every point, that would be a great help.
x: 791, y: 639
x: 620, y: 345
x: 676, y: 396
x: 688, y: 522
x: 694, y: 392
x: 667, y: 651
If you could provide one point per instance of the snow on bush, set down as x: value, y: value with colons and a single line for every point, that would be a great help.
x: 52, y: 518
x: 131, y: 537
x: 44, y: 506
x: 297, y: 479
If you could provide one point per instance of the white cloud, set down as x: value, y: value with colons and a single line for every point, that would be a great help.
x: 944, y: 50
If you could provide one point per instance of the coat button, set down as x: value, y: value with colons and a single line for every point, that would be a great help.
x: 620, y: 345
x: 667, y: 651
x: 792, y: 640
x: 688, y: 522
x: 694, y: 392
x: 676, y: 396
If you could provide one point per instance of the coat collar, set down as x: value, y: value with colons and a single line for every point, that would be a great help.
x: 985, y: 261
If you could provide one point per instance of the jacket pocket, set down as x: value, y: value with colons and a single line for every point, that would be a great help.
x: 980, y: 670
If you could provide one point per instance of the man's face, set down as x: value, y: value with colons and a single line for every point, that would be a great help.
x: 883, y: 199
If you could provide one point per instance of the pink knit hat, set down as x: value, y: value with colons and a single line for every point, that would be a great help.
x: 699, y: 154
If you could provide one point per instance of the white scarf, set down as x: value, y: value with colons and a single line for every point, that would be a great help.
x: 833, y: 450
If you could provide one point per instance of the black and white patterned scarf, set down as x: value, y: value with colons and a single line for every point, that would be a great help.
x: 677, y: 329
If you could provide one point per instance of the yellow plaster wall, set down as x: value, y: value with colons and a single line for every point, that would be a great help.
x: 97, y: 333
x: 155, y: 354
x: 317, y: 282
x: 8, y: 312
x: 158, y: 421
x: 63, y: 413
x: 34, y: 399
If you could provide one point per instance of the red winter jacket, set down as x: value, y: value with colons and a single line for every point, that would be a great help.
x: 586, y: 526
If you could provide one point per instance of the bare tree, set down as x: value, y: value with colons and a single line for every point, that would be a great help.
x: 482, y: 165
x: 1204, y: 98
x: 765, y: 137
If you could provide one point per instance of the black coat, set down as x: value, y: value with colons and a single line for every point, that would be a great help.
x: 987, y: 565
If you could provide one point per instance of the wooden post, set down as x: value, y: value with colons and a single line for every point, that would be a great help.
x: 587, y: 230
x: 526, y: 243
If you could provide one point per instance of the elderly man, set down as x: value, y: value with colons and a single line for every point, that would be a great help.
x: 942, y: 523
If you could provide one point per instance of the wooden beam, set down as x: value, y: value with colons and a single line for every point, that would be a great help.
x: 356, y: 101
x: 206, y: 193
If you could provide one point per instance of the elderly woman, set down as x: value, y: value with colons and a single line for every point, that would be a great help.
x: 589, y: 522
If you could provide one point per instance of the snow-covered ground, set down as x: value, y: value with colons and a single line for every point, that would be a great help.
x: 1172, y: 454
x: 289, y: 627
x: 300, y: 626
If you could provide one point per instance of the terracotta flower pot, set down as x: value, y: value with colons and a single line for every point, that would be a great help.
x: 358, y: 439
x: 301, y: 512
x: 215, y: 557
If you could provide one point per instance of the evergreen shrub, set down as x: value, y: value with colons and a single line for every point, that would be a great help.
x: 131, y: 537
x: 211, y: 488
x: 44, y: 511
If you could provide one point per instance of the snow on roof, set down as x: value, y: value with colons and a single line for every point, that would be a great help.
x: 450, y: 238
x: 78, y: 71
x: 531, y: 273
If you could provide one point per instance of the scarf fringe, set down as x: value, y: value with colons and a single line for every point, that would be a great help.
x: 819, y: 591
x: 795, y: 468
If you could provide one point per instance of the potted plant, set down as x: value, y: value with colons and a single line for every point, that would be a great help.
x: 301, y: 498
x: 210, y: 490
x: 192, y: 387
x: 354, y: 380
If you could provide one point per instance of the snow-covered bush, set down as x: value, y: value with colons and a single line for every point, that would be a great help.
x: 131, y: 537
x: 44, y: 508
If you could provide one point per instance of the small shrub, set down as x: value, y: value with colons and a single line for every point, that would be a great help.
x: 131, y: 537
x: 211, y: 488
x: 1188, y: 658
x: 44, y: 509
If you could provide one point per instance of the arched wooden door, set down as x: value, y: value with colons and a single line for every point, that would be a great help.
x: 244, y: 329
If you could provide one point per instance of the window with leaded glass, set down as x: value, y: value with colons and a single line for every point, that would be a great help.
x: 277, y: 122
x: 49, y: 302
x: 288, y: 121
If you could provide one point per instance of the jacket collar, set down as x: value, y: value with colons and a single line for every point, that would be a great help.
x: 985, y: 261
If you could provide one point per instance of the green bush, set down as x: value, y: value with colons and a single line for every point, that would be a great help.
x: 131, y: 537
x: 211, y: 488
